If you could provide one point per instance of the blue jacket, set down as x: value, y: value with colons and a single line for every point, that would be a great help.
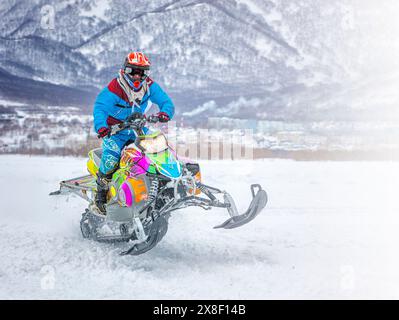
x: 112, y: 104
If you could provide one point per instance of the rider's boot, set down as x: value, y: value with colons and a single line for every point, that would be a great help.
x: 102, y: 181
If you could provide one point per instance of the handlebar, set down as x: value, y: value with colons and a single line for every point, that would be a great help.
x: 135, y: 124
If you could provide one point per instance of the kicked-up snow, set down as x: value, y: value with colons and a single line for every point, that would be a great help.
x: 330, y: 230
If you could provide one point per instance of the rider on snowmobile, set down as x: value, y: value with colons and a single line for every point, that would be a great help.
x: 126, y: 95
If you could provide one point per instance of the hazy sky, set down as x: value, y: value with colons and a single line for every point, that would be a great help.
x: 375, y: 34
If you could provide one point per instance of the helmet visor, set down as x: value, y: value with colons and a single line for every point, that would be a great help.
x: 135, y: 76
x: 136, y: 73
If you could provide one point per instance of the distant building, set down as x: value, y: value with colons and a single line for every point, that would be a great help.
x: 262, y: 126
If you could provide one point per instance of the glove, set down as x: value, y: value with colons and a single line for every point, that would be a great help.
x: 134, y: 116
x: 102, y: 132
x: 162, y: 116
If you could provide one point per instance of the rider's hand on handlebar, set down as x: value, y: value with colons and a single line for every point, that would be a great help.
x: 160, y: 116
x: 102, y: 132
x: 163, y: 117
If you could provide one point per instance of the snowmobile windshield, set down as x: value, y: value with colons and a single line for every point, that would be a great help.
x: 153, y: 143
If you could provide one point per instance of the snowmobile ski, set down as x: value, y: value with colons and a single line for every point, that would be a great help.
x: 259, y: 201
x: 157, y: 231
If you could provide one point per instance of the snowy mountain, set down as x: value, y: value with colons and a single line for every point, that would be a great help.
x: 201, y: 50
x: 265, y: 59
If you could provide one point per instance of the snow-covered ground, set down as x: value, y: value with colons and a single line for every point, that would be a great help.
x: 330, y: 230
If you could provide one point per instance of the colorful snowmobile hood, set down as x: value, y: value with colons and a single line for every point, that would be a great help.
x: 166, y: 164
x: 156, y: 149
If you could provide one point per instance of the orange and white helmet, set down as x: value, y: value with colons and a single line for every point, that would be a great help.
x: 137, y: 60
x: 136, y: 69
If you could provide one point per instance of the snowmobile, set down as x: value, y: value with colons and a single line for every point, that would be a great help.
x: 150, y: 183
